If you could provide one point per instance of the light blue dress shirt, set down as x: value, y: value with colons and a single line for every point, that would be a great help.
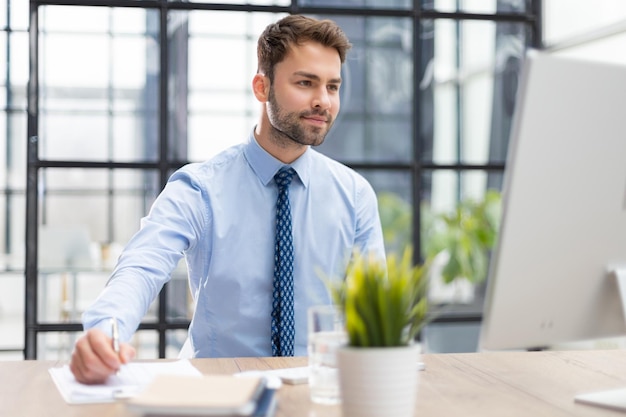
x: 220, y: 215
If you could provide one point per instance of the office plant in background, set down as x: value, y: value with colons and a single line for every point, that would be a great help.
x: 396, y: 218
x: 385, y: 306
x: 459, y: 244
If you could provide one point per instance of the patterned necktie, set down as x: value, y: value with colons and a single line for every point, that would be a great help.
x: 282, y: 307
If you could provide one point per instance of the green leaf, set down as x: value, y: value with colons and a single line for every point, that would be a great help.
x: 384, y: 302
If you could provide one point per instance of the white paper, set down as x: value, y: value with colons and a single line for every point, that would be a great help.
x: 130, y: 380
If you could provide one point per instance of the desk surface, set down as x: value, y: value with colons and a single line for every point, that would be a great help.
x: 471, y: 384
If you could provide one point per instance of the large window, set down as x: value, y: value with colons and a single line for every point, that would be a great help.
x: 122, y: 95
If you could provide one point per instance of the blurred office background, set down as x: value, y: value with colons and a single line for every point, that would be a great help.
x: 100, y: 100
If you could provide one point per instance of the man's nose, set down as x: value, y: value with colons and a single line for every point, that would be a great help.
x: 321, y: 99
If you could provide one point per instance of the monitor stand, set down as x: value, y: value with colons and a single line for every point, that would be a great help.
x: 619, y: 274
x: 614, y: 399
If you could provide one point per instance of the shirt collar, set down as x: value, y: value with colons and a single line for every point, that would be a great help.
x: 265, y: 166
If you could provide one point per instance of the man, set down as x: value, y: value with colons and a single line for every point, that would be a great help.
x: 222, y: 216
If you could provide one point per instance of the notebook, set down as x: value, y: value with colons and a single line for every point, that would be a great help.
x: 210, y: 395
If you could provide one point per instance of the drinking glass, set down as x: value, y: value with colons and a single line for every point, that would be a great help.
x: 326, y: 335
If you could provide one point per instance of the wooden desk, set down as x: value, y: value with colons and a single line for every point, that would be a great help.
x: 474, y: 384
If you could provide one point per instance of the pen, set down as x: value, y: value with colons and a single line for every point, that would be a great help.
x: 115, y: 336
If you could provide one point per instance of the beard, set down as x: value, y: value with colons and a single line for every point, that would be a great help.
x: 288, y: 127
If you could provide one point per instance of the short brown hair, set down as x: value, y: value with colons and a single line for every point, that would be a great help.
x: 276, y: 39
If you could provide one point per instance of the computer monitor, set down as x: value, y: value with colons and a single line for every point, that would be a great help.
x: 563, y: 231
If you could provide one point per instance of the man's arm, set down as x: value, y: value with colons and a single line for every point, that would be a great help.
x: 369, y: 233
x: 145, y: 265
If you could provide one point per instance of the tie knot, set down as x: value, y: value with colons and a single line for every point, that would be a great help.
x: 284, y: 176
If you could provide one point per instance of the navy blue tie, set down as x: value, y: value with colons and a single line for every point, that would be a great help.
x: 283, y: 332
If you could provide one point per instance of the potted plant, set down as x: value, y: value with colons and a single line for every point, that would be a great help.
x: 385, y: 306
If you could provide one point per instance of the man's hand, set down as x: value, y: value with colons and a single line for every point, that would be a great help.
x: 94, y: 359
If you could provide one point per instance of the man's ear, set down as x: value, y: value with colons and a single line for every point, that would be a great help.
x: 261, y: 87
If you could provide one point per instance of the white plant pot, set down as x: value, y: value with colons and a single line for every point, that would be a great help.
x: 378, y: 382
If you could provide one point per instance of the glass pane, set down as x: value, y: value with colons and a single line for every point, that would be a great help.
x: 18, y: 60
x: 19, y: 14
x: 174, y: 342
x: 204, y: 74
x: 457, y: 225
x: 97, y: 137
x: 395, y: 205
x: 251, y: 2
x: 134, y: 137
x: 79, y: 248
x: 74, y: 60
x: 17, y: 100
x: 111, y: 202
x: 380, y: 4
x: 204, y: 100
x: 375, y: 121
x: 146, y: 344
x: 217, y: 24
x: 56, y: 346
x: 74, y: 136
x: 179, y: 300
x: 65, y: 294
x: 448, y: 187
x: 74, y: 19
x: 15, y: 226
x: 4, y: 210
x: 98, y: 88
x: 12, y: 318
x: 129, y: 20
x: 475, y: 65
x: 11, y: 229
x: 136, y: 50
x: 477, y: 6
x: 16, y: 151
x: 219, y: 109
x: 3, y: 149
x: 225, y: 130
x: 13, y: 73
x: 567, y: 20
x: 3, y: 67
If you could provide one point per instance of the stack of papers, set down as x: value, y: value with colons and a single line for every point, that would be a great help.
x: 130, y: 380
x: 173, y: 388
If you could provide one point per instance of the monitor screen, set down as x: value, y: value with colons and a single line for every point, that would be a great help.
x: 563, y: 228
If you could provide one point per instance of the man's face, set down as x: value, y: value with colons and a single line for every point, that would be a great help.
x: 303, y: 100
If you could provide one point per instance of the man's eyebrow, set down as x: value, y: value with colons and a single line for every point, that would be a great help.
x: 316, y: 77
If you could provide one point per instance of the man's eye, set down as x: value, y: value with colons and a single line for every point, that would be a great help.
x: 333, y: 87
x: 304, y: 83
